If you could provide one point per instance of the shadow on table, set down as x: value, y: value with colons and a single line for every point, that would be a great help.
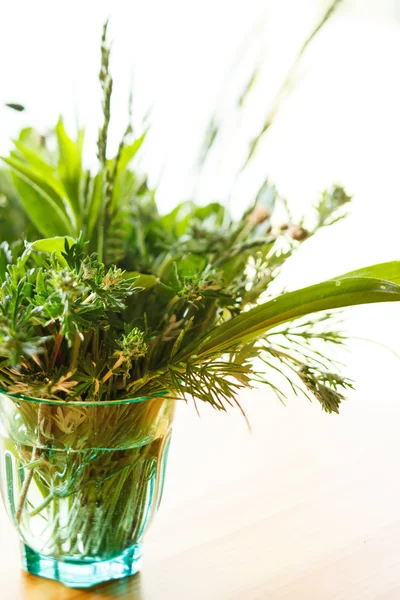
x: 36, y: 588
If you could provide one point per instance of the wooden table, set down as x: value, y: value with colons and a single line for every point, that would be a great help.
x: 306, y: 507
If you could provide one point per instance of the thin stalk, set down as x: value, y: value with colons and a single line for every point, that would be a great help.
x: 116, y: 365
x: 106, y: 86
x: 112, y: 505
x: 289, y: 81
x: 56, y: 350
x: 35, y: 456
x: 37, y: 360
x: 25, y: 488
x: 41, y: 506
x: 75, y: 351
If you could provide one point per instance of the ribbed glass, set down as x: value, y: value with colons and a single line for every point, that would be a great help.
x: 81, y: 482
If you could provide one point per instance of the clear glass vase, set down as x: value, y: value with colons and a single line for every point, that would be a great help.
x: 81, y: 482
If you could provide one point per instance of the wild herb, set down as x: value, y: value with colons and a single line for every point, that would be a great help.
x: 109, y: 299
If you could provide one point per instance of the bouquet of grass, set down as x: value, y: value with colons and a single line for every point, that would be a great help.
x: 110, y: 312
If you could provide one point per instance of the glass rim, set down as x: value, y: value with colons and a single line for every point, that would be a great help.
x: 81, y: 403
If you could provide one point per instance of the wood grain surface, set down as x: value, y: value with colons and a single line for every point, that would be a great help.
x: 305, y: 507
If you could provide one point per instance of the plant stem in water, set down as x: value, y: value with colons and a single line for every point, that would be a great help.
x: 35, y: 456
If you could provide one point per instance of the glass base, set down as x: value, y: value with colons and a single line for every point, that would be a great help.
x: 81, y: 573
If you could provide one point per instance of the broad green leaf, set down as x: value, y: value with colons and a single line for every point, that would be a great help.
x: 214, y: 209
x: 181, y: 216
x: 30, y: 138
x: 389, y: 271
x: 43, y: 166
x: 129, y: 152
x: 143, y: 280
x: 95, y: 204
x: 6, y: 185
x: 54, y: 244
x: 50, y: 186
x: 178, y: 219
x: 70, y: 167
x: 43, y: 211
x: 124, y: 190
x: 347, y: 290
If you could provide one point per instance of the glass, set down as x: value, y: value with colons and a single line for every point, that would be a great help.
x: 81, y: 482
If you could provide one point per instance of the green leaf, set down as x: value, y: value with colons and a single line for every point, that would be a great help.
x: 36, y: 160
x: 5, y: 259
x: 389, y: 271
x: 48, y: 184
x: 129, y: 152
x: 54, y: 244
x: 30, y: 138
x: 95, y: 204
x: 70, y: 167
x: 347, y: 290
x: 178, y: 219
x: 214, y: 209
x: 142, y: 279
x: 43, y: 211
